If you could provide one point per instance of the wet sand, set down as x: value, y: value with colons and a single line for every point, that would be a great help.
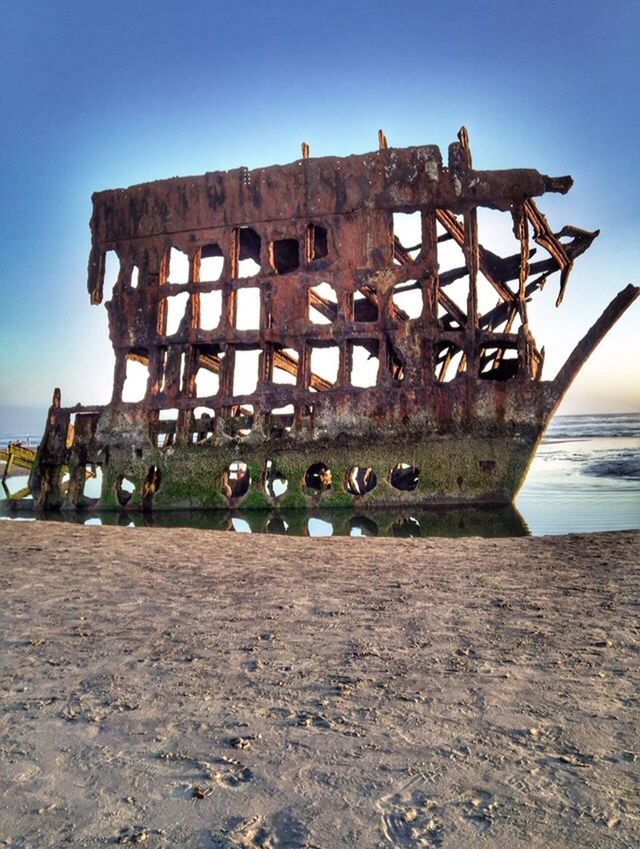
x: 183, y: 688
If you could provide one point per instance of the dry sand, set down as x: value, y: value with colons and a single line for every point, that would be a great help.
x: 184, y: 688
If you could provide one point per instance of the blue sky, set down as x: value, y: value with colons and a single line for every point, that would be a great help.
x: 104, y: 95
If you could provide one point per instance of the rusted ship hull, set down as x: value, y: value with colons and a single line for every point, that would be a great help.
x: 456, y: 406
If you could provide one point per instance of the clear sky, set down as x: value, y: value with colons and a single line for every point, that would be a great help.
x: 99, y: 95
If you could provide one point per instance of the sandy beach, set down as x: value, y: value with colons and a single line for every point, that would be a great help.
x: 183, y: 688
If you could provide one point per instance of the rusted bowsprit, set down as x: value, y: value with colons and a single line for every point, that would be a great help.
x: 380, y: 375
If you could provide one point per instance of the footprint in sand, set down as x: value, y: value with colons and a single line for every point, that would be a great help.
x: 228, y: 772
x: 284, y: 830
x: 480, y: 809
x: 411, y: 820
x: 223, y: 771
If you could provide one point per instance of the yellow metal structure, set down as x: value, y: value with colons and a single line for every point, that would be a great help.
x: 18, y: 455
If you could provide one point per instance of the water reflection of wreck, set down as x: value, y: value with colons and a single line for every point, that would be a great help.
x: 485, y: 520
x: 455, y: 405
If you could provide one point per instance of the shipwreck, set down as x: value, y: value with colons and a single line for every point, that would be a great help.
x: 308, y: 353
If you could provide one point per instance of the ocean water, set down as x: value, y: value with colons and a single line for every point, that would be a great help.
x: 585, y: 477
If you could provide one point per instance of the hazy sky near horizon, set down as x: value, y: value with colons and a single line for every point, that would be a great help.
x: 100, y: 95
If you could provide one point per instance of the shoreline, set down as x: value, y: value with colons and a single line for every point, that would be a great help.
x: 201, y: 689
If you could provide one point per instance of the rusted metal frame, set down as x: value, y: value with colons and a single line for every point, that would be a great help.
x: 119, y: 376
x: 229, y: 297
x: 444, y: 279
x: 190, y: 312
x: 472, y: 258
x: 345, y: 364
x: 196, y: 291
x: 511, y: 314
x: 521, y: 228
x: 453, y: 309
x: 543, y: 235
x: 228, y: 364
x: 457, y: 232
x: 465, y: 236
x: 429, y: 256
x: 308, y: 242
x: 281, y: 360
x: 538, y: 364
x: 189, y: 376
x: 395, y: 312
x: 446, y: 362
x: 499, y: 355
x: 138, y: 358
x: 499, y: 314
x: 449, y: 348
x: 380, y: 349
x: 125, y: 208
x: 392, y: 360
x: 509, y: 268
x: 303, y: 381
x: 401, y: 253
x: 95, y: 274
x: 262, y: 394
x: 327, y: 308
x: 370, y: 294
x: 285, y: 361
x: 502, y: 341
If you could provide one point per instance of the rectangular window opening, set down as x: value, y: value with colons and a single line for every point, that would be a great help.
x: 208, y: 368
x: 285, y: 366
x: 248, y: 252
x: 285, y: 255
x: 498, y: 363
x: 450, y: 361
x: 136, y: 380
x: 210, y: 309
x: 178, y: 272
x: 325, y: 364
x: 167, y: 426
x: 111, y: 271
x: 248, y: 308
x: 207, y: 383
x: 246, y: 372
x: 240, y: 419
x: 407, y: 300
x: 364, y: 363
x: 176, y: 306
x: 322, y: 303
x: 451, y: 257
x: 211, y: 263
x: 407, y: 236
x: 92, y: 481
x: 281, y: 420
x: 365, y: 304
x: 202, y: 424
x: 317, y: 247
